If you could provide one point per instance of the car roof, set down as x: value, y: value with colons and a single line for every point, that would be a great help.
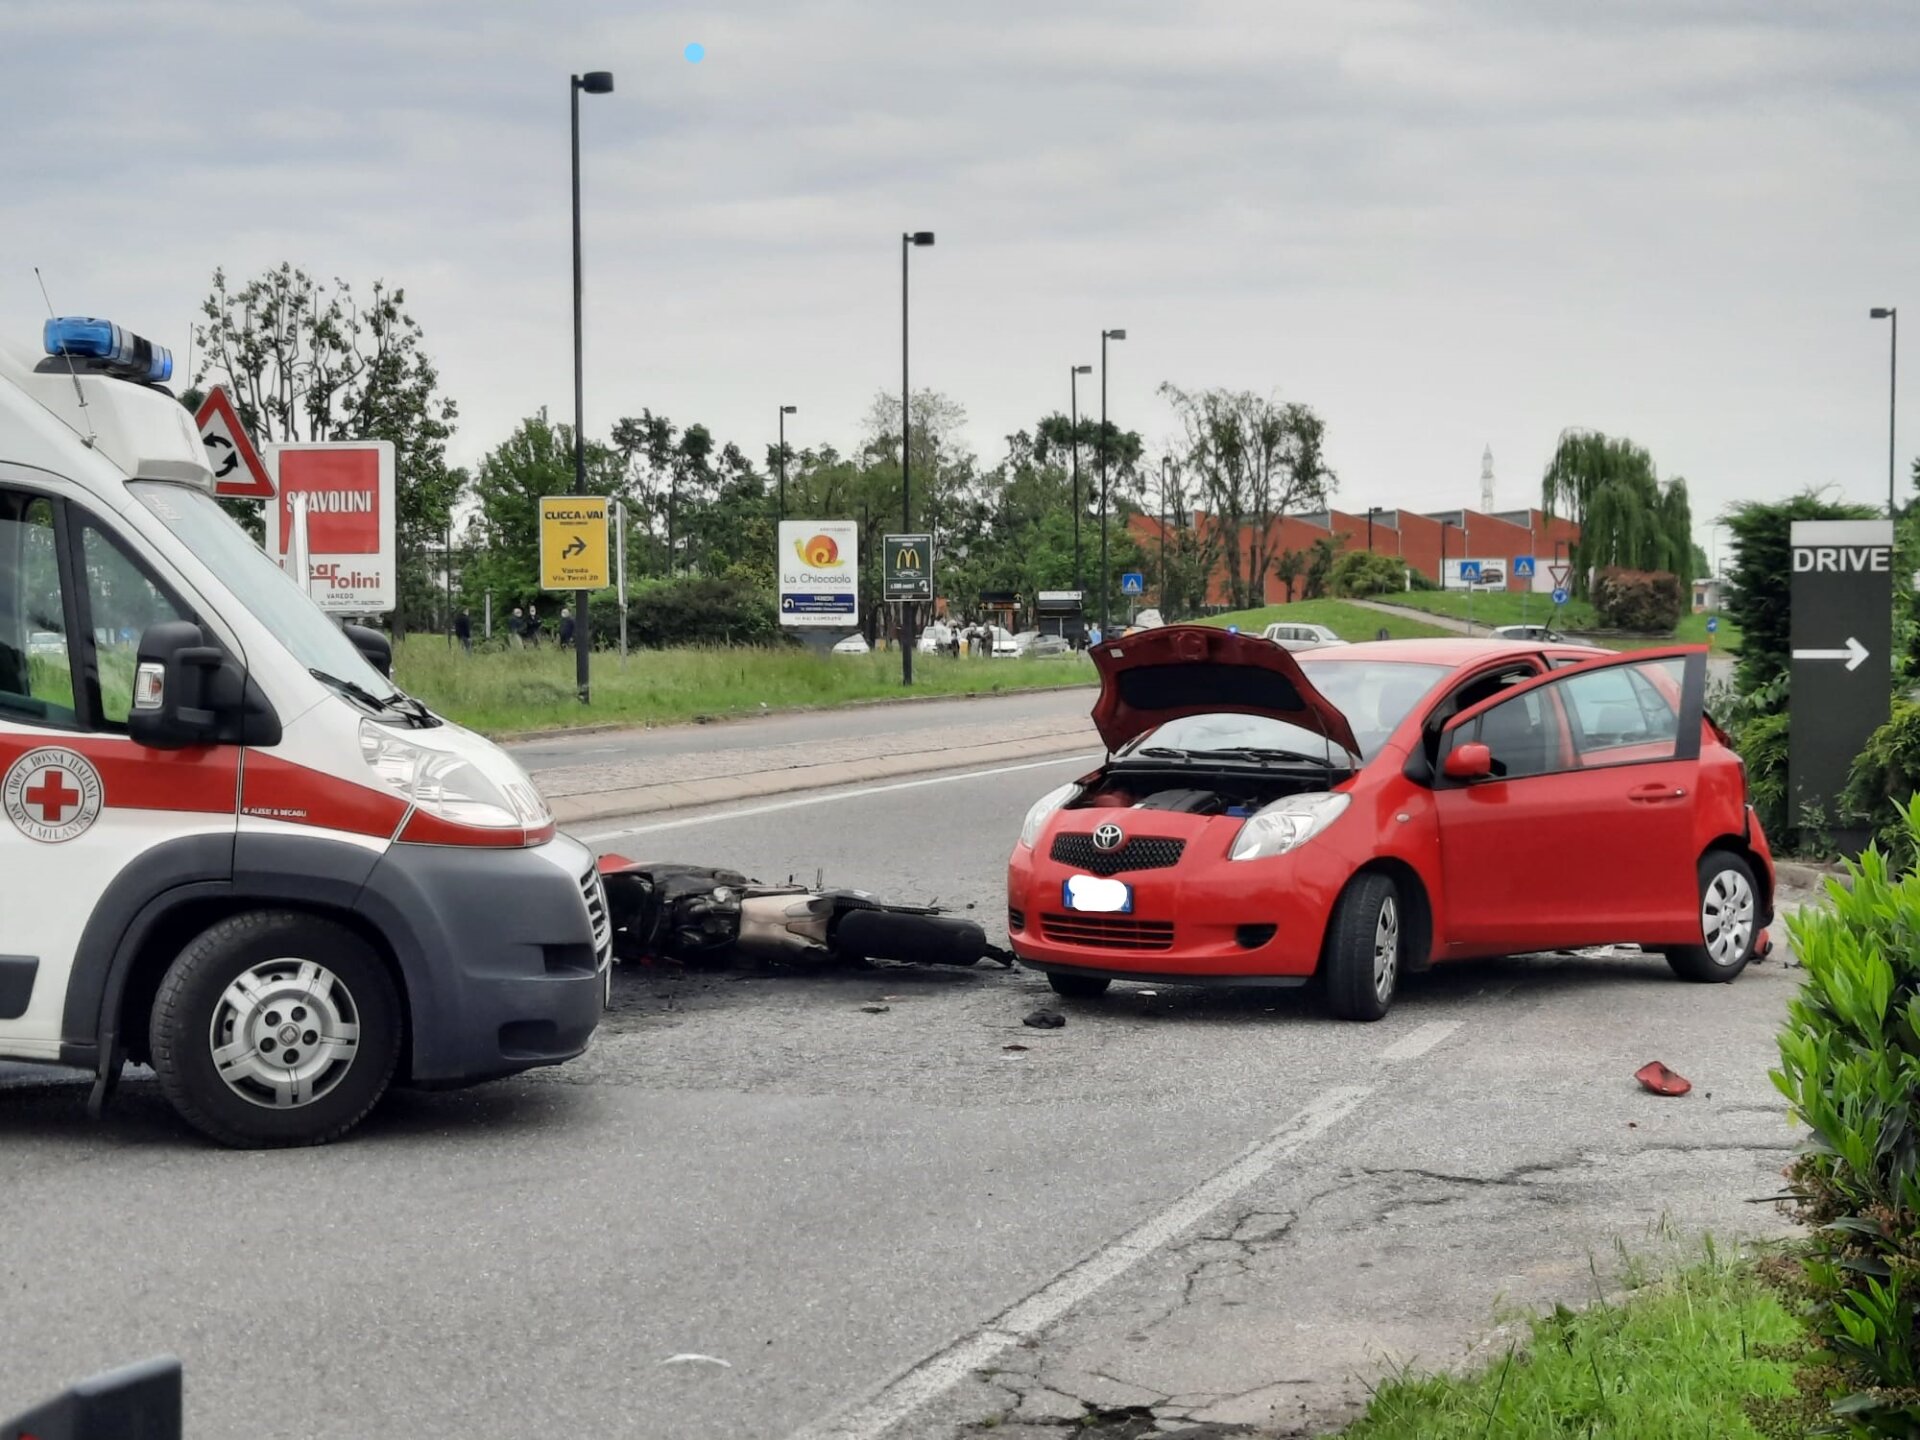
x: 1447, y: 650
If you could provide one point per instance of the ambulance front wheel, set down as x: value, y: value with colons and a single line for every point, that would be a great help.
x: 275, y: 1028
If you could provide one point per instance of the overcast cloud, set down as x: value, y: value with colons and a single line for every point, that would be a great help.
x: 1442, y: 224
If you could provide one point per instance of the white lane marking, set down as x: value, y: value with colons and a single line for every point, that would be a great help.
x: 594, y: 837
x: 897, y: 1401
x: 1416, y: 1043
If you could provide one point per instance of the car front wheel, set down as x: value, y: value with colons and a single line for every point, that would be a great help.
x: 1365, y: 946
x: 275, y: 1028
x: 1729, y: 922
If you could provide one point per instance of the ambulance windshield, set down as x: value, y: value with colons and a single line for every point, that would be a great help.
x: 262, y: 586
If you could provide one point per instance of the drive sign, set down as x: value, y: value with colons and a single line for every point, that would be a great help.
x: 348, y: 489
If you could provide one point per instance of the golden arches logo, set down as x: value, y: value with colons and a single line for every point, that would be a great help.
x: 819, y: 552
x: 908, y: 558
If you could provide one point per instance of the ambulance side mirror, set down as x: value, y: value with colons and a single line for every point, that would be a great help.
x: 187, y: 692
x: 374, y: 647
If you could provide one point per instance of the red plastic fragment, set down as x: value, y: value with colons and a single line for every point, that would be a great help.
x: 1662, y: 1081
x: 611, y: 863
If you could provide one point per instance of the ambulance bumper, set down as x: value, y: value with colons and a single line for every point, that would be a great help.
x: 510, y: 955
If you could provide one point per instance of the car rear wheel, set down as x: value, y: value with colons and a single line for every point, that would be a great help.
x: 1078, y: 987
x: 1729, y: 922
x: 1365, y: 946
x: 275, y: 1028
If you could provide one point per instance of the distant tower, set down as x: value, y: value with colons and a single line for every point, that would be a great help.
x: 1486, y: 482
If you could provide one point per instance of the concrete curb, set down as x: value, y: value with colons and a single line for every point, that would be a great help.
x: 731, y: 717
x: 722, y: 789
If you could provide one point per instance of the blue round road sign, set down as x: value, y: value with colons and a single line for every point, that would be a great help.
x: 1560, y: 596
x: 1713, y: 623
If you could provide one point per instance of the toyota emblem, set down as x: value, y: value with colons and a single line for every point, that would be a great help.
x: 1108, y: 837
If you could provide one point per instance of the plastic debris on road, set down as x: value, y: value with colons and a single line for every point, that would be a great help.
x: 1662, y: 1081
x: 697, y: 1360
x: 1045, y: 1020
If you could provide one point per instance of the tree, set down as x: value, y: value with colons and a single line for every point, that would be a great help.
x: 1255, y: 459
x: 1320, y: 561
x: 1290, y: 569
x: 1627, y: 517
x: 1365, y: 572
x: 311, y: 361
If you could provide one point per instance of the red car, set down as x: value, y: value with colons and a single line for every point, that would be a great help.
x: 1364, y: 811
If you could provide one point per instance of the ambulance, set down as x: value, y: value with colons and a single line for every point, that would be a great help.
x: 231, y: 849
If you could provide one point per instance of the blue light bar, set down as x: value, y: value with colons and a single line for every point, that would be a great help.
x: 116, y: 351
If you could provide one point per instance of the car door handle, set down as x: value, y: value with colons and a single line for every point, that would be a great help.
x: 1656, y: 794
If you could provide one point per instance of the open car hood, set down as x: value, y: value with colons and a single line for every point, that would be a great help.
x: 1159, y: 675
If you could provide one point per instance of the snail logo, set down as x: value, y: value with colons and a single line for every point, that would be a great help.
x: 818, y: 553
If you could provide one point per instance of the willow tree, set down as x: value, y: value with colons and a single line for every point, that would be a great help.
x: 1609, y: 489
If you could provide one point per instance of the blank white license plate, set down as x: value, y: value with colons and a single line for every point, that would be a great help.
x: 1097, y: 895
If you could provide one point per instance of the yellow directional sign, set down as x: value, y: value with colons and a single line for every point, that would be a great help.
x: 573, y: 543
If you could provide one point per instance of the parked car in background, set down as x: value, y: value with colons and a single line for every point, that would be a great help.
x: 1034, y: 645
x: 1369, y: 810
x: 854, y: 644
x: 935, y: 639
x: 1289, y: 635
x: 45, y: 642
x: 1005, y: 646
x: 1542, y: 634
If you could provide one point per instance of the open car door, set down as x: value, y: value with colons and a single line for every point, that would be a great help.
x: 1567, y: 808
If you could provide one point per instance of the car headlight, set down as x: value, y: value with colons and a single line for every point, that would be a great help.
x: 1286, y: 825
x: 450, y: 787
x: 1042, y: 808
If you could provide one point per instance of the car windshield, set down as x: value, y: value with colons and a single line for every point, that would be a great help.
x: 1374, y: 695
x: 260, y: 585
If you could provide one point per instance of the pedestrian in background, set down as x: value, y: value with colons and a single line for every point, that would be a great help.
x: 533, y: 626
x: 517, y: 628
x: 566, y: 628
x: 463, y: 631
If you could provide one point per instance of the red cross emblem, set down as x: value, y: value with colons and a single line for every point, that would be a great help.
x: 52, y: 797
x: 52, y: 794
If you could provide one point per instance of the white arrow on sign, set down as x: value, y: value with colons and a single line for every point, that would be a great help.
x: 1853, y: 654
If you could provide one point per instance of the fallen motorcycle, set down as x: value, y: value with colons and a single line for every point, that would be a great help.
x: 699, y: 914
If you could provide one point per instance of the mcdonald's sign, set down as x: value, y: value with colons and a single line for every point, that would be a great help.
x: 908, y: 568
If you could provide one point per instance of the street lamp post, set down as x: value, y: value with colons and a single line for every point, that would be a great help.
x: 785, y: 410
x: 907, y: 241
x: 1892, y: 314
x: 1372, y: 510
x: 1073, y: 416
x: 1105, y: 335
x: 594, y: 82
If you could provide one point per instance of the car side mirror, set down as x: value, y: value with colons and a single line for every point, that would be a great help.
x: 1471, y: 761
x: 374, y: 647
x: 188, y: 692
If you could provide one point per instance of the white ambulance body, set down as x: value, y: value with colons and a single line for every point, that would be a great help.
x: 230, y: 848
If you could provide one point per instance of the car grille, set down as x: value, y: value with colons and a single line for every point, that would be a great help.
x: 1016, y: 919
x: 594, y: 892
x: 1107, y: 932
x: 1143, y: 852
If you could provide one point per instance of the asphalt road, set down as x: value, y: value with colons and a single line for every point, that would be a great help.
x: 1218, y: 1204
x: 851, y: 722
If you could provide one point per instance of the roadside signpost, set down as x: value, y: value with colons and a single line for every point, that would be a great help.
x: 573, y: 543
x: 819, y: 569
x: 236, y: 465
x: 1133, y: 584
x: 1713, y: 624
x: 1469, y: 577
x: 1560, y: 597
x: 1524, y: 569
x: 1841, y: 633
x: 346, y: 490
x: 907, y: 567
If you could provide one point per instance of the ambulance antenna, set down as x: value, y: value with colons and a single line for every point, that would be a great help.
x: 78, y: 391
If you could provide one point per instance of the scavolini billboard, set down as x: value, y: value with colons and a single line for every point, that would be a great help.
x: 819, y: 564
x: 348, y: 487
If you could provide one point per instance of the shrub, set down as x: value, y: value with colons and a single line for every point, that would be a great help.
x: 1883, y: 781
x: 1362, y: 573
x: 1649, y: 600
x: 1421, y: 580
x: 1850, y: 1068
x: 691, y: 610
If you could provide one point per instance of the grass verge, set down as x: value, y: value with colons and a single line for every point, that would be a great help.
x: 1693, y: 1354
x: 1499, y: 608
x: 503, y: 692
x: 1348, y: 621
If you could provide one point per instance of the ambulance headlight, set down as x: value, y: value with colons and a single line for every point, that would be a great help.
x: 450, y: 787
x: 118, y: 352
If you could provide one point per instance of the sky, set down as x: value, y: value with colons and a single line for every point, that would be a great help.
x: 1444, y: 224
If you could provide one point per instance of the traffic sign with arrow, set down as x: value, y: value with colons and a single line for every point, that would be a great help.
x: 1853, y: 652
x: 236, y: 466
